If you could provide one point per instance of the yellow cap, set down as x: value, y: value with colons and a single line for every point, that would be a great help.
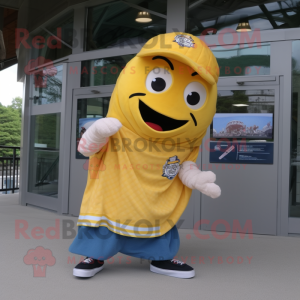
x: 187, y: 49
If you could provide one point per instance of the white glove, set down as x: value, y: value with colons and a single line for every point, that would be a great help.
x: 193, y: 178
x: 97, y: 135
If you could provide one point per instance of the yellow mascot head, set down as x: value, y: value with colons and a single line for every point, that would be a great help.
x: 168, y: 90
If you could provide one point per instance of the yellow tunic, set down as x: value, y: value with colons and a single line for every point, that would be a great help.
x: 126, y: 190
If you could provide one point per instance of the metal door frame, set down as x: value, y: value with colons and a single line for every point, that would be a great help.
x: 261, y: 82
x: 55, y: 204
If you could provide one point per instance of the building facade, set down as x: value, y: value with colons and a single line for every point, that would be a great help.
x: 69, y: 61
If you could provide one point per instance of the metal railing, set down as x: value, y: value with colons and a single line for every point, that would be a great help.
x: 9, y: 170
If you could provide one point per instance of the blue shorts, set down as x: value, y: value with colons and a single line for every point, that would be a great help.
x: 100, y: 243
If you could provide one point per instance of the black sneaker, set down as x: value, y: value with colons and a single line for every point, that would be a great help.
x: 88, y: 267
x: 173, y: 267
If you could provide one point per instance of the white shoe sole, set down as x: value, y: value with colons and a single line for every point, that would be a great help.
x: 86, y: 273
x: 177, y: 274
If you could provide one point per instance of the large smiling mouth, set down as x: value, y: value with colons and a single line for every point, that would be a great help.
x: 158, y: 121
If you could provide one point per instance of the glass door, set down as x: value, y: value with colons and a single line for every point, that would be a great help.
x: 42, y: 167
x: 88, y: 106
x: 241, y: 148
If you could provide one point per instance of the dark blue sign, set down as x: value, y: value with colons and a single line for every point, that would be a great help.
x: 245, y: 153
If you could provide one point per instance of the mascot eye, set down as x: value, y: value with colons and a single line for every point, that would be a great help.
x: 158, y: 80
x: 195, y: 95
x: 158, y: 84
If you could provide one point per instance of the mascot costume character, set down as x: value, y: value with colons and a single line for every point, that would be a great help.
x: 142, y: 156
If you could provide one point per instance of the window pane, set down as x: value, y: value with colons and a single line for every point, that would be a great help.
x: 47, y: 85
x: 63, y: 29
x: 267, y: 15
x: 44, y: 155
x: 88, y: 111
x: 295, y: 134
x: 244, y: 114
x: 246, y: 61
x: 103, y: 71
x: 114, y: 25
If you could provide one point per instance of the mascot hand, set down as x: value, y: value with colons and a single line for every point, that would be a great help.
x: 97, y: 135
x: 193, y: 178
x: 106, y: 127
